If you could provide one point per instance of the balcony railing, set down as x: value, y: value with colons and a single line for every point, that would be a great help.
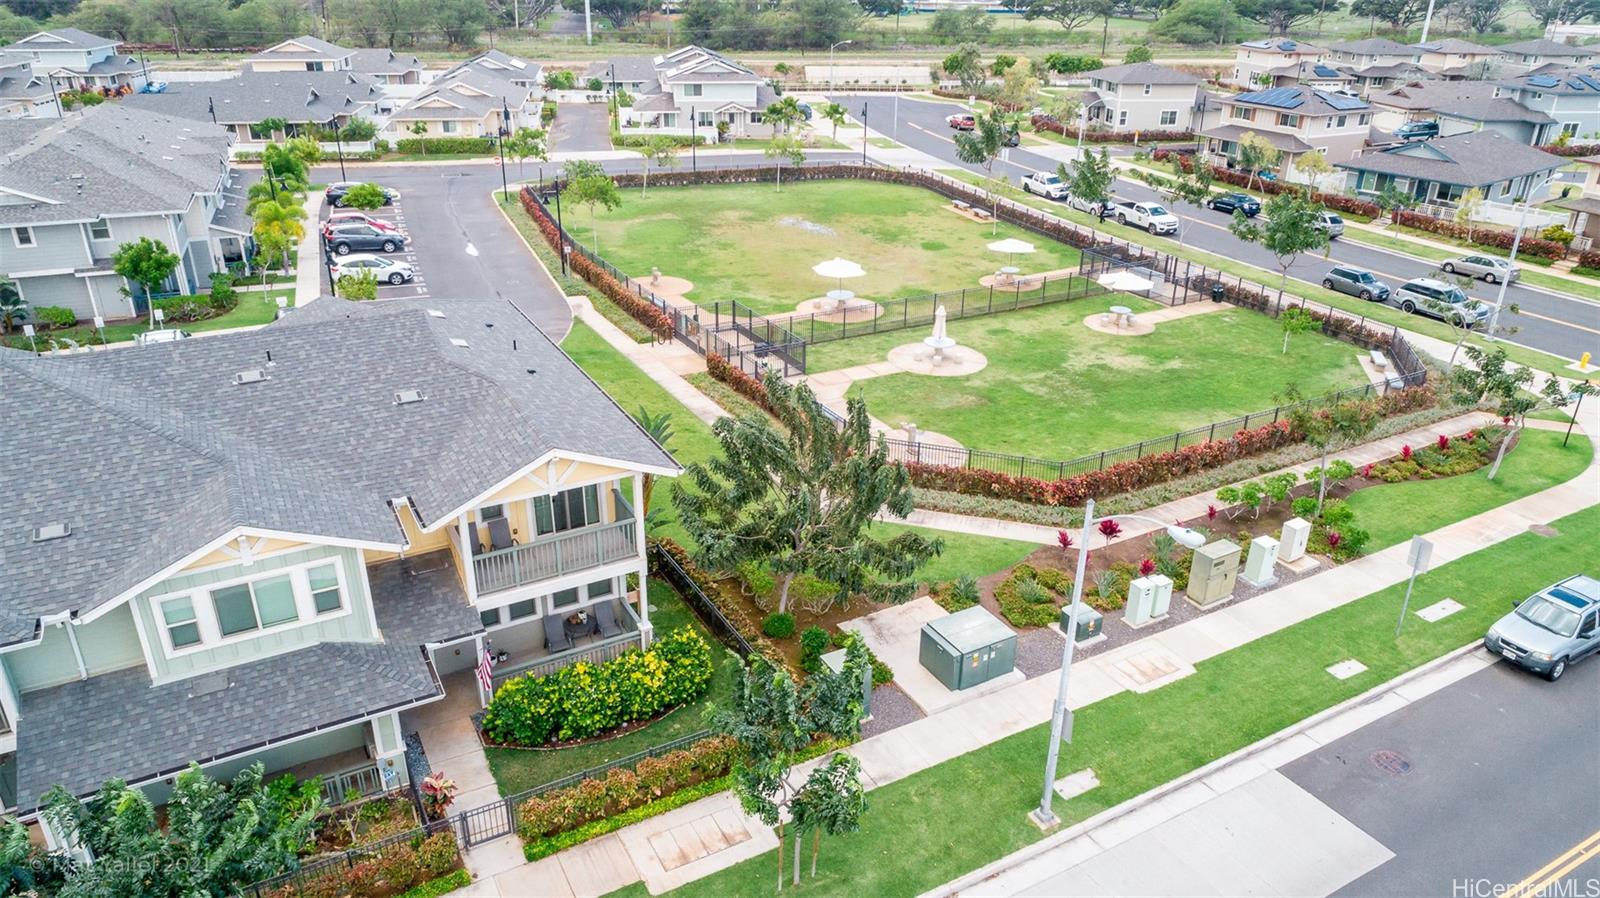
x: 597, y: 651
x: 554, y: 556
x: 353, y: 784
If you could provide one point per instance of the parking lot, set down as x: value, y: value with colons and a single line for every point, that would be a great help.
x: 417, y: 287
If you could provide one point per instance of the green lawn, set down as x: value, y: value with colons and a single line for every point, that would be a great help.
x: 757, y: 243
x: 255, y: 308
x: 1056, y: 389
x: 518, y: 770
x: 933, y: 826
x: 963, y: 553
x: 1394, y: 512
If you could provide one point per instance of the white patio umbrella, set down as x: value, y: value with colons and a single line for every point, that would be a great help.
x: 939, y: 333
x: 1011, y: 246
x: 839, y: 269
x: 1125, y: 281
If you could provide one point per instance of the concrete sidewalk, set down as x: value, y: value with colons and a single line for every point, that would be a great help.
x: 309, y: 267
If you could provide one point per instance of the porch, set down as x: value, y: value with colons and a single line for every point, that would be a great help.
x: 563, y: 636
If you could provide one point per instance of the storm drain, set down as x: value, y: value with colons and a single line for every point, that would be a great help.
x: 1391, y: 762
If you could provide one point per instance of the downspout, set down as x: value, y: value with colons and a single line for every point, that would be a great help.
x: 67, y: 620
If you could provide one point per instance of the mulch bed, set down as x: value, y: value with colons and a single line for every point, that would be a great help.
x: 790, y: 648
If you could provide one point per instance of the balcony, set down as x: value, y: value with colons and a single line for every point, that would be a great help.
x: 556, y: 555
x: 529, y: 653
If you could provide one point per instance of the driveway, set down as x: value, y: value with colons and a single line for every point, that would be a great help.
x: 461, y: 243
x: 581, y: 127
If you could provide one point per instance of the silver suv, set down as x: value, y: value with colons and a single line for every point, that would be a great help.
x: 1436, y: 299
x: 1551, y: 629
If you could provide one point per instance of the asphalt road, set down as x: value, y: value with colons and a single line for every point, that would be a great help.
x: 581, y: 127
x: 1563, y: 325
x: 1501, y: 777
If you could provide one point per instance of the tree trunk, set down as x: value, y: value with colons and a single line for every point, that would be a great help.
x: 783, y: 592
x: 799, y: 837
x: 1500, y: 455
x: 780, y: 854
x: 1450, y: 367
x: 816, y: 847
x: 644, y: 186
x: 1322, y: 480
x: 1285, y: 342
x: 1283, y: 282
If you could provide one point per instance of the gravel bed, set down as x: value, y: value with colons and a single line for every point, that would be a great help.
x: 891, y: 708
x: 416, y: 759
x: 1038, y: 651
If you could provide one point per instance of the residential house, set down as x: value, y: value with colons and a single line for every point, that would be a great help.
x: 1585, y: 209
x: 1383, y: 76
x: 1460, y: 107
x: 1295, y: 120
x: 504, y: 66
x: 690, y: 91
x: 1317, y: 75
x: 1142, y: 96
x: 302, y: 54
x: 301, y: 99
x: 1569, y: 95
x: 1456, y: 59
x: 269, y: 546
x: 77, y: 60
x: 1441, y: 170
x: 1370, y: 52
x: 73, y: 190
x: 1532, y: 54
x: 24, y: 94
x: 1254, y: 61
x: 471, y: 102
x: 386, y: 67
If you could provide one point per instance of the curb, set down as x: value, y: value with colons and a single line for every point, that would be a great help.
x: 955, y: 887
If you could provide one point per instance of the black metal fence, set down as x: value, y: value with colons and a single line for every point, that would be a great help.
x: 691, y: 593
x: 344, y: 860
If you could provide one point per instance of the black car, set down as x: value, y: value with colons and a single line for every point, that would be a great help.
x: 336, y: 191
x: 1235, y: 202
x: 357, y: 237
x: 1417, y: 130
x: 1013, y: 138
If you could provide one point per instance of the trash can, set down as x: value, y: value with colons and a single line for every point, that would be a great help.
x: 1218, y: 292
x: 967, y: 648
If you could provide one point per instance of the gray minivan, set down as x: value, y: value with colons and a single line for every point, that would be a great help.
x: 1550, y: 629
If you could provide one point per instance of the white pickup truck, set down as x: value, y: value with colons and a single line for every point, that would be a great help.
x: 1153, y: 217
x: 1045, y: 184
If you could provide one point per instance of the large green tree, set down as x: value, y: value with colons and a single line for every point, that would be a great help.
x: 1197, y: 22
x: 1069, y: 14
x: 965, y: 66
x: 145, y: 262
x: 620, y: 13
x: 1090, y: 177
x: 1286, y: 228
x: 802, y: 497
x: 1283, y: 16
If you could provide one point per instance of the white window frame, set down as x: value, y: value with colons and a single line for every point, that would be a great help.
x: 448, y: 126
x: 103, y: 223
x: 694, y: 90
x: 1147, y: 90
x: 16, y: 237
x: 205, y: 612
x: 1169, y: 112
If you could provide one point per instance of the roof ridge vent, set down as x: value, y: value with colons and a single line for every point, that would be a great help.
x: 250, y: 376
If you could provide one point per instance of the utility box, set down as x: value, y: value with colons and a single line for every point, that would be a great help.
x: 1089, y: 625
x: 1140, y: 607
x: 967, y: 648
x: 1296, y: 534
x: 1162, y: 601
x: 1212, y: 573
x: 1259, y: 566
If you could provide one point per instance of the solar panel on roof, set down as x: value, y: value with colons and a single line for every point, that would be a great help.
x: 1277, y: 97
x: 1326, y: 72
x: 1593, y: 85
x: 1344, y: 103
x: 1543, y: 81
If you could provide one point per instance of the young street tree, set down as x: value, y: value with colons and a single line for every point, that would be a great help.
x: 832, y: 800
x: 1256, y: 155
x: 1343, y: 424
x: 527, y: 143
x: 1090, y: 178
x: 1289, y: 229
x: 781, y: 147
x: 662, y: 151
x: 1491, y: 378
x: 420, y: 129
x: 589, y: 185
x: 982, y: 146
x: 1295, y: 321
x: 147, y: 263
x: 803, y: 499
x: 834, y: 113
x: 1193, y: 187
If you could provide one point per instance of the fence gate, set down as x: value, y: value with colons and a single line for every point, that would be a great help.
x: 487, y: 823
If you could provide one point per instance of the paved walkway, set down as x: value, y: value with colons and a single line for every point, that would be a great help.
x: 308, y: 270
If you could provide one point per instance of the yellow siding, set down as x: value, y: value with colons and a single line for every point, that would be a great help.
x: 535, y: 483
x: 417, y: 542
x: 266, y: 546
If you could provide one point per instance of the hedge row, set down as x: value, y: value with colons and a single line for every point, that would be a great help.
x: 391, y: 870
x: 1572, y: 149
x: 1338, y: 201
x: 1480, y: 236
x: 1589, y: 258
x: 742, y: 383
x: 1046, y: 123
x: 445, y: 145
x: 642, y: 310
x: 584, y: 699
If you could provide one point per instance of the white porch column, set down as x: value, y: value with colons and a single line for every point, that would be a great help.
x: 483, y: 694
x: 471, y: 550
x: 389, y: 749
x: 646, y: 631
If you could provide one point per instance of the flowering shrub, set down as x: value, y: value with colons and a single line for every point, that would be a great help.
x: 620, y: 789
x: 585, y: 699
x: 1110, y: 529
x: 388, y: 871
x: 1064, y: 540
x: 1589, y: 258
x: 1147, y: 567
x: 1405, y: 452
x: 438, y: 793
x: 1571, y: 149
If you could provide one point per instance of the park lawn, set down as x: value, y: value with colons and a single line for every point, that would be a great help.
x: 1056, y: 389
x: 963, y: 553
x: 1393, y: 512
x: 933, y: 826
x: 517, y: 770
x: 756, y: 243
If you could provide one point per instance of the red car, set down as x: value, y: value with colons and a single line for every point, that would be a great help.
x: 344, y: 216
x: 961, y: 121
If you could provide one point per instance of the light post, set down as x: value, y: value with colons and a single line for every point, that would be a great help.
x: 830, y: 60
x: 339, y: 144
x: 694, y: 140
x: 561, y: 231
x: 1500, y: 297
x: 505, y: 131
x: 1060, y: 718
x: 863, y: 132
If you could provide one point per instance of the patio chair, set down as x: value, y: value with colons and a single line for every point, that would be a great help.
x: 500, y: 534
x: 605, y: 616
x: 555, y: 637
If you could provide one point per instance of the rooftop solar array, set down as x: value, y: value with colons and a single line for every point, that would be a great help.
x: 1325, y: 71
x: 1277, y: 97
x: 1586, y: 81
x: 1342, y: 102
x: 1543, y: 81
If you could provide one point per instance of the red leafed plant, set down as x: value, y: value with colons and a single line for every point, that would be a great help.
x: 1506, y: 420
x: 1470, y: 435
x: 1064, y: 540
x: 1334, y: 539
x: 1110, y: 529
x: 1211, y: 512
x: 1366, y: 469
x: 1405, y: 452
x: 1444, y: 442
x: 1147, y: 567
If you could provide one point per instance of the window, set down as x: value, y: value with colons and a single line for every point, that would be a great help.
x: 1363, y: 119
x: 178, y: 617
x: 563, y: 598
x: 601, y: 588
x: 692, y: 90
x: 23, y: 236
x: 1288, y: 120
x: 1122, y: 117
x: 1341, y: 120
x: 490, y: 512
x: 325, y: 596
x: 704, y: 119
x: 1570, y: 129
x: 755, y: 118
x: 567, y: 510
x: 100, y: 229
x: 448, y: 127
x: 1243, y: 113
x: 255, y: 605
x: 1169, y: 117
x: 490, y: 618
x: 520, y: 610
x: 1147, y: 90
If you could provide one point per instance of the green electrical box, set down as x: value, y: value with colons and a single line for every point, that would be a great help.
x: 1089, y: 625
x: 968, y: 648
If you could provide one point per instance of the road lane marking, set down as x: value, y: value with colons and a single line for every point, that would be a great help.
x: 1565, y: 863
x: 1580, y: 327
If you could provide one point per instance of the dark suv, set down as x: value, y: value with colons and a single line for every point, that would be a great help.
x: 1235, y: 202
x: 348, y: 238
x: 336, y: 191
x: 1417, y: 131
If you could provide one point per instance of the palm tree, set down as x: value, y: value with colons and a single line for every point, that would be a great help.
x: 281, y: 218
x: 835, y: 113
x: 785, y: 112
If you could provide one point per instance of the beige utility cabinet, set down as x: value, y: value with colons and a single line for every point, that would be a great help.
x: 1213, y: 572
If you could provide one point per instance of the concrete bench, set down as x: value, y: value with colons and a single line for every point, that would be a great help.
x: 1379, y: 360
x: 961, y: 205
x: 981, y: 213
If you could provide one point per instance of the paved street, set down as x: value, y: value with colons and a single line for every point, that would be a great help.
x: 1552, y: 322
x: 580, y: 127
x: 1502, y: 775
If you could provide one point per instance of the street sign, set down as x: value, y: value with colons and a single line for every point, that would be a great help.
x: 1421, y: 552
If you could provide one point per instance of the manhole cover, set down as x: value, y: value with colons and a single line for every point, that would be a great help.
x: 1391, y: 762
x: 1544, y: 530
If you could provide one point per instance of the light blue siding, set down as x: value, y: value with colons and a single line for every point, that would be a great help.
x: 108, y: 643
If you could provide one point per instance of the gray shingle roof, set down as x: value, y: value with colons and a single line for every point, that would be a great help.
x: 296, y: 97
x: 18, y: 82
x: 501, y: 65
x: 1427, y: 94
x: 1540, y: 46
x: 419, y: 599
x: 169, y: 454
x: 470, y: 105
x: 1143, y: 73
x: 83, y: 733
x: 63, y: 38
x: 627, y: 68
x: 1477, y: 159
x: 381, y: 61
x: 128, y: 161
x: 1285, y: 142
x: 315, y: 48
x: 1373, y: 46
x: 1490, y: 109
x: 1456, y: 45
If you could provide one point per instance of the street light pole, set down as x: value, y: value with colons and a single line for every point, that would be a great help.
x: 863, y: 132
x: 1500, y: 298
x: 830, y: 60
x: 694, y: 141
x: 1061, y: 717
x: 339, y: 144
x: 561, y: 231
x: 505, y: 131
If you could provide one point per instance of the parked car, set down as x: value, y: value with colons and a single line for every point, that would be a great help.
x: 1436, y: 299
x: 154, y: 87
x: 1012, y: 138
x: 1491, y: 268
x: 1417, y: 130
x: 1356, y: 282
x: 805, y: 111
x: 1046, y: 184
x: 383, y: 269
x: 345, y: 238
x: 1083, y: 205
x: 1551, y: 629
x: 336, y: 191
x: 165, y: 335
x: 961, y: 121
x: 1153, y: 217
x: 1330, y: 224
x: 355, y: 216
x: 1235, y: 202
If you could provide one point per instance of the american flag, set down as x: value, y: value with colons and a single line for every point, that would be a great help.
x: 486, y: 673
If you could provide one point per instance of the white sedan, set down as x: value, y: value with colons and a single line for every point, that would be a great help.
x: 384, y: 269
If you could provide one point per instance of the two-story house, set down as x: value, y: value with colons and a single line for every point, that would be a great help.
x: 269, y: 546
x: 500, y: 64
x: 73, y: 190
x: 690, y: 91
x: 1141, y: 97
x: 1254, y: 61
x: 1318, y: 75
x: 1296, y: 121
x: 300, y: 99
x: 386, y: 67
x: 1370, y: 51
x: 77, y: 60
x: 1442, y: 170
x: 1456, y: 59
x: 301, y: 54
x: 1460, y: 107
x: 1525, y: 56
x: 467, y: 102
x: 1570, y: 96
x: 24, y: 94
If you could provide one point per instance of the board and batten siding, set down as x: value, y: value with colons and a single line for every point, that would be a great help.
x: 353, y: 627
x: 108, y: 643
